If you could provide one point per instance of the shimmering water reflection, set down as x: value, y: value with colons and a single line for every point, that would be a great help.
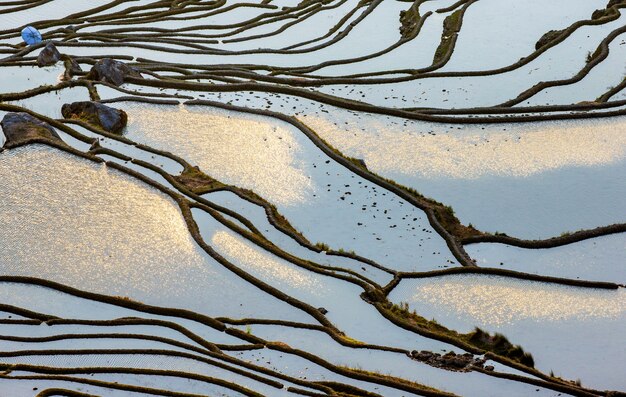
x: 563, y: 327
x: 245, y: 150
x: 68, y: 220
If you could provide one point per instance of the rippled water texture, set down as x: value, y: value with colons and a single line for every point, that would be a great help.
x: 322, y: 198
x: 75, y: 222
x: 496, y: 301
x: 245, y: 151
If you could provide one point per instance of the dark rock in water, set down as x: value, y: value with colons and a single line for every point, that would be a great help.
x: 112, y: 71
x: 99, y: 115
x: 547, y: 37
x: 362, y: 163
x: 449, y: 361
x: 48, y: 56
x: 423, y: 355
x: 489, y: 368
x: 322, y: 310
x: 460, y: 362
x: 20, y: 127
x: 479, y: 362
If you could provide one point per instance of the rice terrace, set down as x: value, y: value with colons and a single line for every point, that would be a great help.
x: 351, y: 198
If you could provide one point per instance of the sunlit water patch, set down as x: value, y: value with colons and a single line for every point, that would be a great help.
x: 242, y: 151
x: 563, y: 327
x: 265, y: 264
x: 339, y: 298
x: 256, y: 214
x: 430, y: 150
x: 82, y: 224
x: 530, y: 180
x: 320, y: 198
x: 599, y: 259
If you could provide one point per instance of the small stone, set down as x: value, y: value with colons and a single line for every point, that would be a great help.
x: 459, y: 362
x: 48, y: 56
x: 424, y: 355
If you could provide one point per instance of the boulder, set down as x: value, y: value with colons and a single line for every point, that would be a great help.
x: 21, y: 127
x: 111, y: 71
x: 48, y: 56
x: 99, y: 115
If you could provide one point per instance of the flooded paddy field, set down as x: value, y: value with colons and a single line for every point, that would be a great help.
x: 315, y: 198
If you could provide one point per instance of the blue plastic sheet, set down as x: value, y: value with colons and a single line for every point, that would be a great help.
x: 30, y: 35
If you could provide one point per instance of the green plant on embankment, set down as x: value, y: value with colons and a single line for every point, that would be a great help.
x: 197, y: 181
x: 478, y: 338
